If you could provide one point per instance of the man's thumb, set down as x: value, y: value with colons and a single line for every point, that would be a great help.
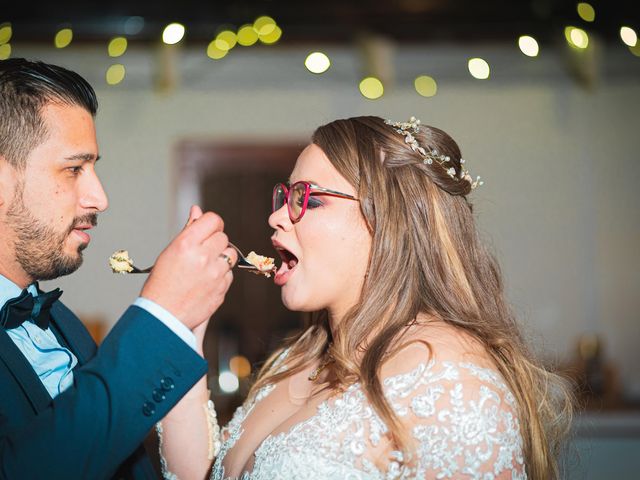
x: 194, y: 213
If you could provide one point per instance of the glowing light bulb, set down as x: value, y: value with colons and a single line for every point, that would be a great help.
x: 576, y: 37
x: 240, y: 366
x: 317, y: 62
x: 115, y: 74
x: 371, y: 88
x: 226, y: 40
x: 586, y: 12
x: 629, y: 36
x: 173, y: 33
x: 228, y: 382
x: 425, y: 86
x: 214, y: 52
x: 264, y: 25
x: 247, y: 35
x: 5, y: 51
x: 272, y: 37
x: 5, y: 33
x: 528, y: 45
x: 479, y: 68
x: 63, y: 38
x: 117, y: 47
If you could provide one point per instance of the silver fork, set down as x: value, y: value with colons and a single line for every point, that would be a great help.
x: 242, y: 263
x: 245, y: 264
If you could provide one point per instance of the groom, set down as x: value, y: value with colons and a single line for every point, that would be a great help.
x: 67, y: 408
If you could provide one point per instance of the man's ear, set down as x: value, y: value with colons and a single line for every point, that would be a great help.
x: 3, y: 187
x: 7, y: 181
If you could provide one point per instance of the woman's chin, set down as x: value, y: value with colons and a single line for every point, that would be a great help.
x: 296, y: 304
x: 290, y: 303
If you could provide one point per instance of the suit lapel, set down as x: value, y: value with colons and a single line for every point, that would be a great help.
x: 69, y: 330
x: 23, y: 372
x: 73, y: 333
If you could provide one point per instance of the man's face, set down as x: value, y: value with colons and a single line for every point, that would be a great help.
x: 57, y: 197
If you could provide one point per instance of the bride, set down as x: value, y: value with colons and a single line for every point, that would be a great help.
x: 413, y: 366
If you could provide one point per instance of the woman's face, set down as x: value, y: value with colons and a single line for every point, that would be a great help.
x: 325, y: 254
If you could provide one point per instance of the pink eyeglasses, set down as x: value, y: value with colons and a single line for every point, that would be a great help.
x: 297, y: 198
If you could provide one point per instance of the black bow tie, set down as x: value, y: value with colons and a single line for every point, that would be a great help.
x: 27, y: 307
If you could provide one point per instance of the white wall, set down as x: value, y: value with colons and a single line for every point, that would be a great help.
x: 560, y: 202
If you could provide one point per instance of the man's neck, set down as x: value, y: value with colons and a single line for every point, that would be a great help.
x: 16, y: 275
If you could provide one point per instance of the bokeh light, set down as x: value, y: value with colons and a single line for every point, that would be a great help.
x: 5, y: 33
x: 479, y: 68
x: 247, y: 35
x: 317, y: 62
x: 115, y: 74
x: 629, y: 36
x: 425, y: 86
x: 586, y: 12
x: 576, y: 37
x: 272, y: 37
x: 133, y: 25
x: 63, y: 38
x: 528, y: 45
x: 264, y: 25
x: 117, y: 46
x: 228, y: 382
x: 226, y: 40
x: 240, y: 366
x: 173, y: 33
x: 371, y: 88
x: 5, y: 51
x: 214, y: 52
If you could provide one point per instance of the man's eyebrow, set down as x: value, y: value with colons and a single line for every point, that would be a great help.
x: 86, y: 157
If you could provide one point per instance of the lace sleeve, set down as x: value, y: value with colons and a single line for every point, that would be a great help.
x: 181, y: 431
x: 462, y: 419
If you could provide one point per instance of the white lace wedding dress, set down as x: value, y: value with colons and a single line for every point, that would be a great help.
x: 461, y: 418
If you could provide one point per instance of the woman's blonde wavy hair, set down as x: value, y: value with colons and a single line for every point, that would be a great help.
x: 444, y: 271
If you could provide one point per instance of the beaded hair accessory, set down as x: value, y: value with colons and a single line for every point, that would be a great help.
x: 408, y: 129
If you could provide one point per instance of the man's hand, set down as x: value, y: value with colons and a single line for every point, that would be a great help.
x: 192, y: 276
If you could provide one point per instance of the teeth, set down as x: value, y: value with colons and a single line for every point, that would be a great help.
x: 292, y: 263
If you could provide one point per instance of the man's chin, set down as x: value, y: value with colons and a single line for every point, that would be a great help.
x: 62, y: 267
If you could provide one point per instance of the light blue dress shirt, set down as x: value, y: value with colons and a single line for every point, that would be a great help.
x: 54, y: 363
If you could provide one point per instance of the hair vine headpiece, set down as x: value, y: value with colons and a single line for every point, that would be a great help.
x: 408, y: 129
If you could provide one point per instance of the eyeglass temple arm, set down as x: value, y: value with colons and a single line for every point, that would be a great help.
x: 332, y: 192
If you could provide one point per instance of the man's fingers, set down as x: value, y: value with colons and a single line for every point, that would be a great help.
x: 194, y: 213
x: 230, y: 256
x: 203, y: 227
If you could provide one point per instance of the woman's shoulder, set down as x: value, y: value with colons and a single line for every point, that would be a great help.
x: 439, y: 354
x: 454, y: 403
x: 436, y: 343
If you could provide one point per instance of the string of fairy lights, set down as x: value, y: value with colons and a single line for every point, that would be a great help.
x: 265, y: 30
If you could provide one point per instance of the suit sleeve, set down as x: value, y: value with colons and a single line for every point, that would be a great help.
x: 140, y: 372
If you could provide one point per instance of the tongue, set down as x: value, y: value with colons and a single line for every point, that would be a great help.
x: 286, y: 266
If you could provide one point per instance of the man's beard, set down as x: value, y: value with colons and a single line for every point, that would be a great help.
x: 39, y: 249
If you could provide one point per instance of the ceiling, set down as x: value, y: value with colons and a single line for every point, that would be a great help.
x: 325, y: 21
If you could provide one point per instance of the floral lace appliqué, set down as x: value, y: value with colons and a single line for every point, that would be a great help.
x: 461, y: 417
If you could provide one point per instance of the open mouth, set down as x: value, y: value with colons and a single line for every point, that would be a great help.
x: 289, y: 260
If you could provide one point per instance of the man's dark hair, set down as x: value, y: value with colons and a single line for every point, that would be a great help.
x: 26, y: 87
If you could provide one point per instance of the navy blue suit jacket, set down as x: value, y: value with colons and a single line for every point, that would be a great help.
x: 95, y: 428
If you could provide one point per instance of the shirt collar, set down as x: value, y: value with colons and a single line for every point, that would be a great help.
x: 9, y: 290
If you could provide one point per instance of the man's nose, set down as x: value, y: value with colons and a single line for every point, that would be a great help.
x: 93, y: 196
